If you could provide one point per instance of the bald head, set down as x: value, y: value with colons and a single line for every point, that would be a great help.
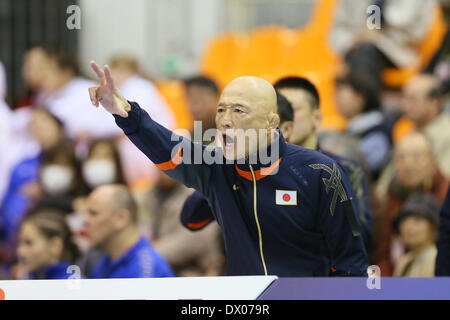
x: 114, y: 197
x: 256, y: 90
x: 247, y: 104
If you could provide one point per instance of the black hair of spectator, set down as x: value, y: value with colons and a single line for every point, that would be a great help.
x: 202, y: 81
x: 364, y: 85
x: 65, y: 151
x: 300, y: 83
x: 65, y: 60
x: 285, y: 110
x: 420, y: 205
x: 117, y: 160
x: 51, y: 222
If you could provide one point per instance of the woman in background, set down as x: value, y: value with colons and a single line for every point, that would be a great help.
x: 103, y: 164
x: 45, y: 249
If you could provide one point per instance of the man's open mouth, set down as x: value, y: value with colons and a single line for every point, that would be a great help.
x: 227, y: 142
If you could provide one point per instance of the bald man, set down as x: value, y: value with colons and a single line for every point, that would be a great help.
x: 111, y: 226
x: 278, y: 205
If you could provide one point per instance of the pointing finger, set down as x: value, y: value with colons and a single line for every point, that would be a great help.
x: 99, y: 72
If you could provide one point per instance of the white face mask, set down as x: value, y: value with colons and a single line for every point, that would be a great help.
x: 56, y: 179
x: 98, y: 172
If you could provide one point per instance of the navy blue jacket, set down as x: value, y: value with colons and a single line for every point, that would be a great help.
x: 360, y: 193
x: 443, y: 243
x: 196, y: 212
x: 262, y: 236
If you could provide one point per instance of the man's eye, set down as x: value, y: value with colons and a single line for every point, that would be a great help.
x: 239, y: 110
x: 220, y: 110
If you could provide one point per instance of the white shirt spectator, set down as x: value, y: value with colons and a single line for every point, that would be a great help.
x: 136, y: 166
x: 72, y: 105
x: 144, y: 92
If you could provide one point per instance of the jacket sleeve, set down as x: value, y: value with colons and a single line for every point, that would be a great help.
x: 339, y: 226
x: 196, y: 213
x: 168, y: 151
x: 443, y: 243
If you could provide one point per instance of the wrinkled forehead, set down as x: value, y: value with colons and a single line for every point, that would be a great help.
x: 248, y: 92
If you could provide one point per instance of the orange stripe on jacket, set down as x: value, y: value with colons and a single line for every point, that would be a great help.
x: 198, y: 225
x: 172, y: 163
x: 259, y: 174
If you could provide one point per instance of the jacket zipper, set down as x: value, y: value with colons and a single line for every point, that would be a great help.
x: 257, y: 220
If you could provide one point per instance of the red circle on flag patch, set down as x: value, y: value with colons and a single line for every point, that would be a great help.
x: 286, y: 197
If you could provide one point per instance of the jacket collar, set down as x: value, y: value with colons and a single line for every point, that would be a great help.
x: 266, y: 162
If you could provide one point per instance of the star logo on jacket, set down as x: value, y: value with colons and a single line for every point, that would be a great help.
x: 286, y: 197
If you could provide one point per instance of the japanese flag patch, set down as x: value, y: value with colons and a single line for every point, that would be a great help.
x: 286, y: 197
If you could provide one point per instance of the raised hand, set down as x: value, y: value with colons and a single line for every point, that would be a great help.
x: 107, y: 94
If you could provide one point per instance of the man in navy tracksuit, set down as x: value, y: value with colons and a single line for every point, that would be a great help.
x: 443, y: 243
x: 303, y: 106
x: 276, y: 216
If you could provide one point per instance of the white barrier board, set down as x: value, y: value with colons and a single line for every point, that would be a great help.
x: 207, y: 288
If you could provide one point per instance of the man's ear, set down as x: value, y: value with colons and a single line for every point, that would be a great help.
x: 286, y: 129
x: 274, y: 120
x: 317, y: 118
x: 122, y: 219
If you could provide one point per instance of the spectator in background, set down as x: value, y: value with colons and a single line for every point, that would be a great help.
x: 5, y: 119
x: 422, y: 105
x: 139, y: 172
x: 415, y: 170
x: 111, y: 225
x: 63, y: 93
x: 60, y: 175
x: 403, y: 26
x: 102, y: 164
x: 134, y: 87
x: 358, y: 100
x: 417, y: 224
x: 189, y: 253
x: 304, y: 101
x: 23, y: 183
x: 202, y: 96
x: 443, y: 244
x: 45, y: 249
x: 35, y: 62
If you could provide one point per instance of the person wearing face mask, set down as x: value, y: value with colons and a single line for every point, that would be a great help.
x: 60, y: 175
x: 45, y: 249
x: 23, y: 187
x: 103, y: 164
